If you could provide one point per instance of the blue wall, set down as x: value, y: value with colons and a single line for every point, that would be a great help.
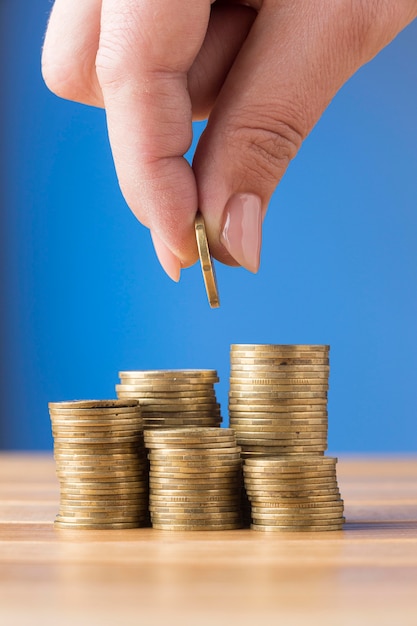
x: 83, y: 295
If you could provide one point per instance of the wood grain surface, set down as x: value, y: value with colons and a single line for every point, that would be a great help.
x: 365, y: 574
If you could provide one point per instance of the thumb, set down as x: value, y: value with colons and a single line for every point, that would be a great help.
x: 293, y: 61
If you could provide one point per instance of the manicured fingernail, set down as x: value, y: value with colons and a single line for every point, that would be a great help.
x: 170, y: 263
x: 242, y: 229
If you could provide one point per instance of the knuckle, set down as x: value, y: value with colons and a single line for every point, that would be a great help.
x: 112, y: 60
x: 265, y: 145
x: 67, y: 74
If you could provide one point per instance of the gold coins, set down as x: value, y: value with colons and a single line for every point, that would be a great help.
x: 173, y: 398
x: 278, y: 410
x: 207, y: 267
x: 275, y: 405
x: 101, y: 464
x: 293, y: 494
x: 195, y: 479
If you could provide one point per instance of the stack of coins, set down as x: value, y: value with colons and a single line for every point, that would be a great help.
x: 173, y: 398
x: 297, y: 493
x: 101, y: 464
x: 195, y: 479
x: 278, y: 398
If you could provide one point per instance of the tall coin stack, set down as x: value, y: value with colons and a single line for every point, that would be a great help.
x: 294, y: 493
x: 278, y: 407
x: 195, y: 479
x: 101, y: 464
x: 278, y: 398
x: 173, y: 398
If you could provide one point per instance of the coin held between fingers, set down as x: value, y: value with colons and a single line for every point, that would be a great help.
x: 206, y: 262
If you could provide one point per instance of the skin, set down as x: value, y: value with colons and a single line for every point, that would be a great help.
x: 262, y: 71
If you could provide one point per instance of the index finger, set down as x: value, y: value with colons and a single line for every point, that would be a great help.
x: 145, y: 51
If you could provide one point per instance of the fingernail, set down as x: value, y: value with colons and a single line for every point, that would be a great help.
x: 170, y: 263
x: 242, y: 229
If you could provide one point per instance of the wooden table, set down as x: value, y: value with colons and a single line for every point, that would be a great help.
x: 365, y: 574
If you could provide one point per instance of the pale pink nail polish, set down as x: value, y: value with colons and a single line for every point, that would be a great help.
x: 242, y: 229
x: 170, y: 263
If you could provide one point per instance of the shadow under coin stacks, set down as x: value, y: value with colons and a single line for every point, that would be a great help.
x: 173, y: 398
x: 278, y: 398
x: 101, y: 464
x: 298, y: 493
x: 195, y: 479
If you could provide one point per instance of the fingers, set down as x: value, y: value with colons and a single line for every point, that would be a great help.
x: 228, y: 28
x: 145, y: 51
x: 70, y: 48
x: 150, y: 95
x: 295, y: 58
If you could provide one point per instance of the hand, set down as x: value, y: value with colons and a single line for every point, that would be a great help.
x: 263, y: 74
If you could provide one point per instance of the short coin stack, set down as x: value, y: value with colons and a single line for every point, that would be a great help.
x: 101, y: 464
x: 278, y: 398
x: 294, y: 493
x: 195, y: 479
x: 173, y: 398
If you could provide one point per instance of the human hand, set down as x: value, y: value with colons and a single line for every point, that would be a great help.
x: 263, y: 71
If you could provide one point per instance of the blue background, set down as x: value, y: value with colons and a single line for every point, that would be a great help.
x: 83, y: 295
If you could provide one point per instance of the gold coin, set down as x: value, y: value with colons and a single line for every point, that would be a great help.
x: 195, y: 506
x: 274, y: 389
x: 282, y: 380
x: 275, y: 362
x: 301, y: 461
x: 192, y: 434
x: 97, y: 431
x: 202, y: 493
x: 87, y: 509
x: 105, y: 446
x: 276, y: 450
x: 194, y: 454
x: 282, y: 406
x: 74, y: 492
x: 193, y: 498
x: 333, y: 509
x: 227, y: 517
x: 294, y: 484
x: 98, y: 424
x: 196, y: 468
x: 291, y: 492
x: 270, y: 372
x: 210, y: 526
x: 110, y: 526
x: 122, y: 482
x: 278, y: 500
x: 207, y: 267
x: 313, y: 418
x: 111, y: 515
x: 100, y: 441
x: 267, y: 472
x: 92, y: 404
x: 175, y: 420
x: 325, y: 528
x: 299, y: 520
x: 65, y: 466
x: 168, y: 373
x: 282, y: 439
x: 229, y: 485
x: 177, y: 396
x: 272, y: 397
x: 277, y: 376
x: 280, y: 346
x: 309, y: 472
x: 311, y: 504
x: 133, y: 460
x: 280, y: 430
x: 206, y: 472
